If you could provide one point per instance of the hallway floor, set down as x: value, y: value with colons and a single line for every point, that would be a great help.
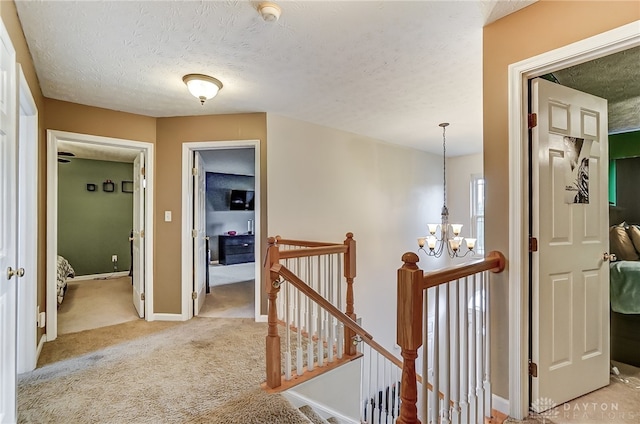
x: 92, y: 304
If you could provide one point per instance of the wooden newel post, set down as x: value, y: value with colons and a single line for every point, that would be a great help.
x: 409, y: 334
x: 350, y: 274
x: 274, y: 366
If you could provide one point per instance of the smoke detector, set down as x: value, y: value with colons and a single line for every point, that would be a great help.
x: 270, y: 12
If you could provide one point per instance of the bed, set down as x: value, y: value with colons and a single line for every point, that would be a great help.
x: 64, y: 271
x: 624, y: 290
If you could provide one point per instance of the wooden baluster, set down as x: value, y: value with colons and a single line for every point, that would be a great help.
x: 329, y: 295
x: 473, y: 399
x: 310, y: 320
x: 424, y: 395
x: 487, y: 347
x: 274, y: 363
x: 409, y: 333
x: 479, y: 347
x: 446, y: 356
x: 298, y: 318
x: 464, y: 350
x: 349, y: 275
x: 340, y: 305
x: 435, y: 383
x: 455, y: 368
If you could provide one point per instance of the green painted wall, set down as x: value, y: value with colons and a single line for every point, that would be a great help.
x: 625, y: 145
x: 94, y: 225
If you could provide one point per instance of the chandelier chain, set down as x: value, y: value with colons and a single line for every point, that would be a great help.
x: 444, y: 164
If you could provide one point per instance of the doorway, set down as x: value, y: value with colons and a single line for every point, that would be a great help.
x: 95, y: 147
x: 601, y: 45
x: 242, y: 225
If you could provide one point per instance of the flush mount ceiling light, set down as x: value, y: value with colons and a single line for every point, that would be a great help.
x: 202, y: 86
x: 270, y: 12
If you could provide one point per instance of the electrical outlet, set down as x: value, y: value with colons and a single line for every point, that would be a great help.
x: 114, y: 258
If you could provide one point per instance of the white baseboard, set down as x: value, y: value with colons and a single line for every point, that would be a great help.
x: 165, y: 317
x: 262, y: 318
x: 298, y: 400
x: 100, y: 276
x: 500, y: 404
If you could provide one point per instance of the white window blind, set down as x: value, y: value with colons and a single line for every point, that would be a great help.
x: 477, y: 211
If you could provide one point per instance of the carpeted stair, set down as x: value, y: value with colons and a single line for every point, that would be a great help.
x: 314, y: 417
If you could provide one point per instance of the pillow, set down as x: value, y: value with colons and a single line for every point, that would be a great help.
x: 621, y: 245
x: 634, y: 233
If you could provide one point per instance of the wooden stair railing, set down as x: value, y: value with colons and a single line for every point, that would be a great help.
x: 412, y: 282
x: 280, y: 275
x: 304, y: 249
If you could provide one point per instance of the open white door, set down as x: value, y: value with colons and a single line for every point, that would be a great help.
x: 138, y: 234
x: 570, y: 283
x: 27, y: 226
x: 8, y: 229
x: 199, y: 233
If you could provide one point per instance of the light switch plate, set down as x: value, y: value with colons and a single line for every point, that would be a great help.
x: 167, y: 216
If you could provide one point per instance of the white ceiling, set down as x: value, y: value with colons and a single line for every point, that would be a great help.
x: 390, y: 70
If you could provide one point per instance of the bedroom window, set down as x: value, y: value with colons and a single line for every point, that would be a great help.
x: 477, y: 212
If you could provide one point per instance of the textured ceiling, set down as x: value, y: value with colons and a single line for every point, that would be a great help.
x: 390, y: 70
x: 616, y: 78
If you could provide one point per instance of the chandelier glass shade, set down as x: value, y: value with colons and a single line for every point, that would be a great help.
x: 202, y: 87
x: 444, y: 237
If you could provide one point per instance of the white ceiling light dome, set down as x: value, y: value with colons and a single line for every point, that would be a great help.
x: 202, y: 86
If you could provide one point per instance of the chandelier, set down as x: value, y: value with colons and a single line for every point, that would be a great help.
x: 444, y: 236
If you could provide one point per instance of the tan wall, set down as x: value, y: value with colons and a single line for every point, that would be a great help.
x: 73, y: 117
x: 168, y: 134
x: 171, y: 133
x: 10, y: 19
x: 541, y: 27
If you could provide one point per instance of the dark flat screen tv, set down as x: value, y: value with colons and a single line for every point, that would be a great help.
x: 241, y: 200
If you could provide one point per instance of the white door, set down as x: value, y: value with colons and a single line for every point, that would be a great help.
x: 199, y: 233
x: 138, y: 234
x: 570, y: 298
x: 8, y: 229
x: 27, y: 225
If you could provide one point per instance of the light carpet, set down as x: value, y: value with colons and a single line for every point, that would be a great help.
x: 220, y: 275
x: 96, y: 303
x: 235, y: 300
x: 618, y: 403
x: 204, y: 370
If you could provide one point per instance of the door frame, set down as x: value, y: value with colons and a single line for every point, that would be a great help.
x: 28, y: 344
x: 187, y: 218
x: 53, y: 136
x: 606, y: 43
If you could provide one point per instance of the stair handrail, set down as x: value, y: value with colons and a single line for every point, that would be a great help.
x: 280, y: 270
x: 310, y: 248
x: 313, y: 251
x: 411, y: 283
x: 304, y: 243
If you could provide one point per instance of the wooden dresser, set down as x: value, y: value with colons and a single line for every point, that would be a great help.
x: 236, y: 249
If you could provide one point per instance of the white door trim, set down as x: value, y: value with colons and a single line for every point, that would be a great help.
x: 27, y: 225
x: 618, y: 39
x: 53, y: 136
x: 187, y: 217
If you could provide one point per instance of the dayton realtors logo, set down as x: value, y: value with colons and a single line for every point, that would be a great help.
x: 544, y: 409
